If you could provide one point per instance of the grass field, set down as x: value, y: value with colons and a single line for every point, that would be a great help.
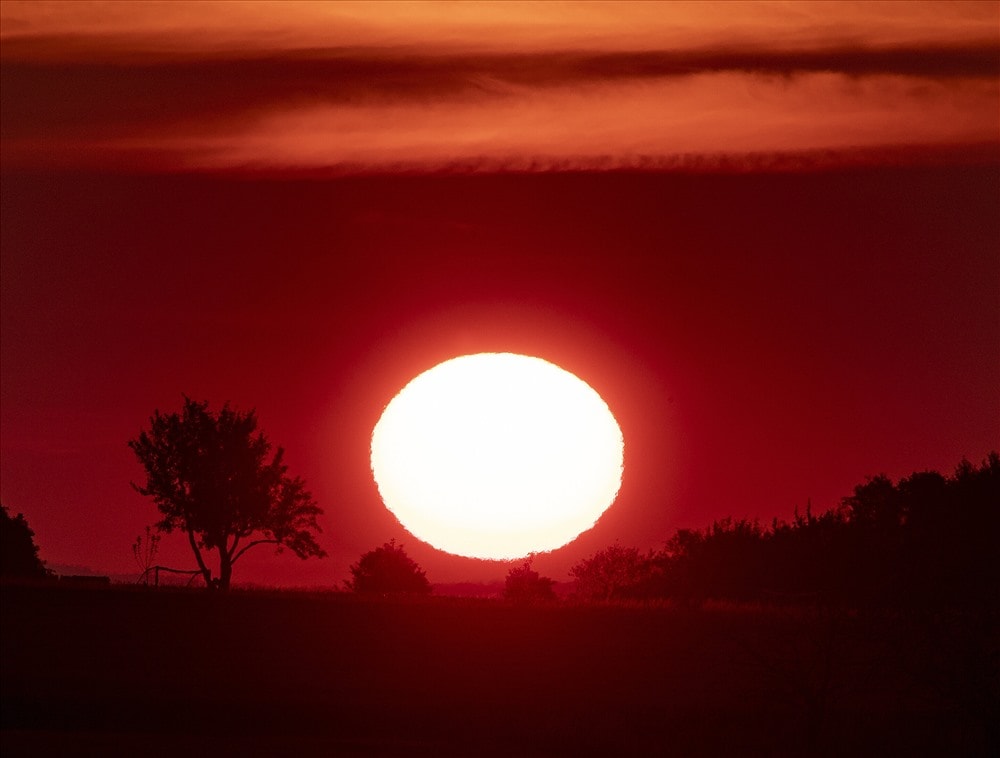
x: 131, y: 671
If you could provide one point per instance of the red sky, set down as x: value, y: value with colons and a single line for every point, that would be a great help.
x: 767, y: 234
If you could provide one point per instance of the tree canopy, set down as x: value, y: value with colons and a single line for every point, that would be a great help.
x: 18, y: 551
x: 388, y: 570
x: 213, y: 476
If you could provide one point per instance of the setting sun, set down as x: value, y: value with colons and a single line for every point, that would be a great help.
x: 497, y: 455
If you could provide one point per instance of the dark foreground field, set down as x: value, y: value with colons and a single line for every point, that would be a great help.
x: 128, y: 672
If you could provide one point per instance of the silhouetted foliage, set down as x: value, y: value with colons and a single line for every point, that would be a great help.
x: 388, y: 571
x: 928, y: 541
x: 212, y: 476
x: 18, y: 551
x: 524, y: 585
x: 725, y: 557
x: 614, y: 573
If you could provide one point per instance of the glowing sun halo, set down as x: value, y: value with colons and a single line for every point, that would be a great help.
x: 497, y: 455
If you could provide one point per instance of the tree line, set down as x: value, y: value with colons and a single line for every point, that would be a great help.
x: 928, y: 540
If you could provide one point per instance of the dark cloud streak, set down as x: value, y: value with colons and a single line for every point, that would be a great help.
x: 117, y: 98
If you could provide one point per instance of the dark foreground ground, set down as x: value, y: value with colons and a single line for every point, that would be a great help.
x: 122, y: 671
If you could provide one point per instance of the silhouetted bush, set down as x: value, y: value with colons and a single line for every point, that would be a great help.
x: 388, y: 570
x: 524, y: 585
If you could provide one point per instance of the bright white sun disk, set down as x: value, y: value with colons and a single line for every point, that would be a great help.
x: 497, y: 455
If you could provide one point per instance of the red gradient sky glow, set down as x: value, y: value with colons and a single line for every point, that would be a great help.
x: 766, y: 233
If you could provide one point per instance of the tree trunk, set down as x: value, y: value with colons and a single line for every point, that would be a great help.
x: 205, y: 570
x: 225, y: 569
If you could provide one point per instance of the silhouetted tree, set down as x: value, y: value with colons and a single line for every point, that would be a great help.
x: 212, y: 476
x: 388, y: 570
x: 967, y: 525
x: 18, y: 551
x: 524, y: 585
x: 813, y: 557
x: 613, y: 573
x: 876, y: 503
x: 727, y: 560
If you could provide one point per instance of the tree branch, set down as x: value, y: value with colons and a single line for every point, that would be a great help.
x: 175, y: 571
x: 252, y: 544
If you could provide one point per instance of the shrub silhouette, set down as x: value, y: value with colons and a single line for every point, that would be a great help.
x: 212, y: 476
x: 18, y: 551
x: 388, y: 570
x: 524, y: 585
